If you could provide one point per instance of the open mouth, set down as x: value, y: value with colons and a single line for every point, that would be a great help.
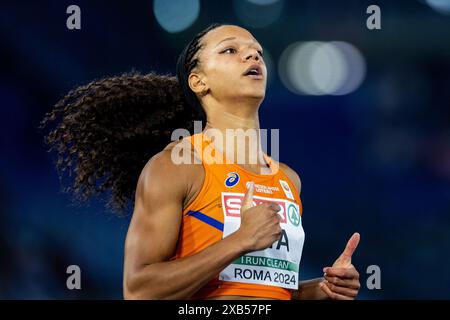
x: 254, y: 72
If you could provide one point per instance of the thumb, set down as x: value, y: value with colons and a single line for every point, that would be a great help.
x: 248, y: 198
x: 345, y: 259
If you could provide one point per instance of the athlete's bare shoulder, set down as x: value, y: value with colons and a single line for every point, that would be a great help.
x: 176, y: 167
x: 292, y: 175
x: 184, y: 155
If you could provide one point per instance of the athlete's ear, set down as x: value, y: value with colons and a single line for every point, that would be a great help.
x: 197, y: 83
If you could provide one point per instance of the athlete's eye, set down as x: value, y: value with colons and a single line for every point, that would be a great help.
x: 231, y: 50
x: 261, y: 53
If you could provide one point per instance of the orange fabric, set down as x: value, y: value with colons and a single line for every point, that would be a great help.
x: 196, y: 235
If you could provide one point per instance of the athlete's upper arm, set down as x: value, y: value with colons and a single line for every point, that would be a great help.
x: 154, y: 228
x: 293, y: 176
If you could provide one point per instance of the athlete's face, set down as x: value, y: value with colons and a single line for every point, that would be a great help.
x: 227, y: 54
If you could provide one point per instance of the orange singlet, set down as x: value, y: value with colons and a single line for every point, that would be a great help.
x: 215, y: 213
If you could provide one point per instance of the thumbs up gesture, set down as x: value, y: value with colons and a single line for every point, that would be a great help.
x: 341, y: 280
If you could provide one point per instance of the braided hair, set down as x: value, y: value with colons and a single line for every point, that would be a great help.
x: 105, y: 132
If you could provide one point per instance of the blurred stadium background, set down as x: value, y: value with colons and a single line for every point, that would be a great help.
x: 364, y: 118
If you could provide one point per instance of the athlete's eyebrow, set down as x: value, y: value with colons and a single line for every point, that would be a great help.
x: 226, y: 39
x: 231, y: 38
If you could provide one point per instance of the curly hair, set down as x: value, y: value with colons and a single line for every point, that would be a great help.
x: 104, y: 132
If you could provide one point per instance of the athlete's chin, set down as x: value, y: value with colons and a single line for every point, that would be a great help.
x: 258, y: 96
x: 251, y: 97
x: 254, y: 93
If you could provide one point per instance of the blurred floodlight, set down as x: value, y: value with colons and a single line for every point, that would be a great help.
x: 320, y: 68
x: 441, y: 6
x: 282, y: 67
x: 258, y: 13
x: 176, y: 15
x: 327, y: 68
x: 293, y: 67
x: 355, y: 67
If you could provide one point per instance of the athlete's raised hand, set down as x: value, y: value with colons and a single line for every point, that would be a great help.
x: 260, y: 225
x: 342, y: 279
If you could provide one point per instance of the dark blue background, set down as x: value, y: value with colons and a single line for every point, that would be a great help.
x: 375, y: 161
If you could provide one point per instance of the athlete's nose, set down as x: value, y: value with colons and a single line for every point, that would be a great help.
x: 252, y: 53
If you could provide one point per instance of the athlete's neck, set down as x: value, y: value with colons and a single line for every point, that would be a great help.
x: 243, y: 129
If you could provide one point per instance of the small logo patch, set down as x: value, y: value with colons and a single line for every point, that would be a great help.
x: 293, y: 215
x: 263, y: 189
x: 232, y: 180
x: 286, y: 189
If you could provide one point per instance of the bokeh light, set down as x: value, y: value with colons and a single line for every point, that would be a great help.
x: 441, y: 6
x: 258, y: 13
x: 176, y: 15
x: 321, y: 68
x: 355, y: 67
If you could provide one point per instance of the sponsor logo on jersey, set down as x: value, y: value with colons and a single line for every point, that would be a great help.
x: 263, y: 189
x: 293, y: 214
x: 232, y: 202
x: 232, y: 179
x: 286, y: 189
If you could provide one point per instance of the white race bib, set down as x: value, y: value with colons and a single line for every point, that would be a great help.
x: 277, y: 265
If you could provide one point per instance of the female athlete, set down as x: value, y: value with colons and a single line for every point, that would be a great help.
x: 200, y: 229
